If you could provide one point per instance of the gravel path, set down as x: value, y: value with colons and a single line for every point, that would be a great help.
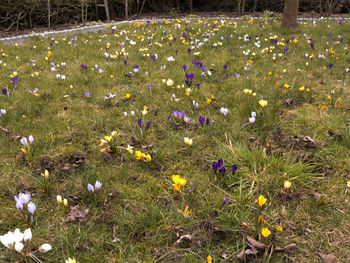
x: 88, y: 29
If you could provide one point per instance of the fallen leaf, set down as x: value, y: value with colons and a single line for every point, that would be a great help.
x: 76, y: 214
x: 254, y: 244
x: 328, y: 258
x: 319, y: 197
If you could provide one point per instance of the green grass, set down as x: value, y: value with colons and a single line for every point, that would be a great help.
x: 134, y: 216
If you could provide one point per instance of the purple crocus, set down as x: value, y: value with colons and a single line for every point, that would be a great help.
x: 330, y: 65
x: 148, y: 124
x: 201, y: 120
x: 225, y: 201
x: 83, y: 67
x: 87, y: 94
x: 222, y: 170
x: 234, y: 169
x: 225, y: 67
x: 4, y: 91
x: 90, y: 188
x: 184, y: 67
x: 14, y: 80
x: 189, y: 50
x: 31, y: 210
x: 139, y: 122
x: 207, y: 121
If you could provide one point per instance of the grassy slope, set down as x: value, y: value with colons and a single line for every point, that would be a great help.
x: 137, y: 198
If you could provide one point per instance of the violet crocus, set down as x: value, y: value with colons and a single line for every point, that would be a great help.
x: 189, y: 50
x: 148, y: 124
x: 225, y: 67
x: 83, y: 67
x: 139, y: 122
x: 87, y: 94
x: 184, y: 67
x: 201, y: 120
x: 234, y: 169
x: 219, y: 165
x: 14, y: 80
x: 4, y: 91
x: 90, y: 188
x: 330, y: 65
x: 207, y: 121
x: 225, y: 201
x: 31, y: 210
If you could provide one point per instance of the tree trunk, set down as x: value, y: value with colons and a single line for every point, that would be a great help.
x: 191, y: 6
x: 126, y: 10
x: 290, y: 14
x: 49, y: 14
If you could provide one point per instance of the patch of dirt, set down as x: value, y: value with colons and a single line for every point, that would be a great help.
x: 302, y: 142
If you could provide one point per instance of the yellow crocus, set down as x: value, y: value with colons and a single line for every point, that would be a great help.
x: 265, y: 232
x: 178, y: 182
x: 261, y: 200
x: 138, y: 155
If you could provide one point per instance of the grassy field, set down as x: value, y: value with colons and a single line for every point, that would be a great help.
x: 266, y: 115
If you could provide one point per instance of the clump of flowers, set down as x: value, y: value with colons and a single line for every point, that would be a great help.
x: 22, y: 200
x: 27, y: 150
x: 203, y: 120
x: 70, y: 260
x: 219, y: 166
x: 109, y: 142
x: 143, y: 156
x: 97, y: 186
x: 180, y: 115
x: 185, y: 212
x: 20, y: 242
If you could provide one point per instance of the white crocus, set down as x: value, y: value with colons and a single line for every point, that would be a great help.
x: 19, y: 247
x: 27, y: 235
x: 45, y: 248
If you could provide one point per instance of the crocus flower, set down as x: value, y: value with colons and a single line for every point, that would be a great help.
x: 97, y: 185
x: 189, y: 50
x: 24, y: 141
x: 14, y: 80
x: 139, y: 122
x: 261, y: 200
x: 83, y: 67
x: 148, y: 124
x: 225, y: 66
x: 222, y: 170
x: 90, y: 188
x: 31, y: 209
x: 207, y: 121
x: 234, y: 169
x: 201, y: 120
x: 4, y: 91
x: 184, y: 67
x: 45, y: 248
x: 224, y: 110
x: 330, y: 65
x: 178, y: 182
x: 31, y: 139
x: 87, y: 94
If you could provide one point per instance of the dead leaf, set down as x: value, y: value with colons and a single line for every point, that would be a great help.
x: 289, y: 249
x: 334, y: 135
x: 328, y: 258
x: 182, y: 239
x: 76, y: 214
x: 254, y: 244
x: 319, y: 197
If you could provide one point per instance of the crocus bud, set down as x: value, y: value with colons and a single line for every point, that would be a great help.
x: 59, y: 199
x: 65, y: 202
x: 45, y: 248
x: 19, y: 247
